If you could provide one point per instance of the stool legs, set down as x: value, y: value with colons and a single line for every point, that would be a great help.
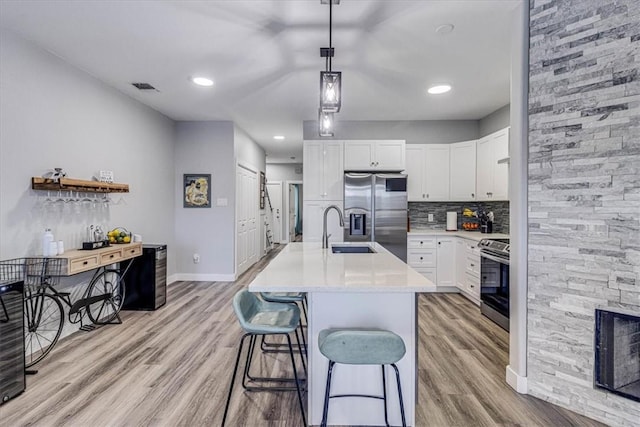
x: 404, y: 421
x: 327, y: 395
x: 233, y: 379
x: 297, y: 380
x: 327, y: 390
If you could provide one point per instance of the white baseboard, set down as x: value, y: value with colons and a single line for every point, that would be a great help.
x: 172, y: 278
x: 517, y: 382
x: 203, y: 277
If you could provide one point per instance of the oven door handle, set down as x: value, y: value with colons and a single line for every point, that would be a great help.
x: 494, y: 258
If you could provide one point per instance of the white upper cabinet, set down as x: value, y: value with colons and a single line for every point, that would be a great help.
x: 463, y: 171
x: 323, y: 170
x: 374, y: 155
x: 415, y: 172
x: 492, y: 178
x: 427, y: 172
x: 436, y: 172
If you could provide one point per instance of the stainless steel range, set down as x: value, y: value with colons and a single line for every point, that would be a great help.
x: 494, y: 280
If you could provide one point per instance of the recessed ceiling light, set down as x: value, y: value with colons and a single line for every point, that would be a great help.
x: 202, y: 81
x: 292, y: 157
x: 444, y: 29
x: 439, y: 89
x: 279, y: 137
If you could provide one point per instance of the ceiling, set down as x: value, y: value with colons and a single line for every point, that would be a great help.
x: 264, y: 57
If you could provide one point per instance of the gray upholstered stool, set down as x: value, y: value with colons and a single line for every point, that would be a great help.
x: 361, y: 347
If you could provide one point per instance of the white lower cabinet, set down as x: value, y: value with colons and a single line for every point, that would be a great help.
x: 434, y: 258
x: 468, y: 269
x: 313, y: 216
x: 446, y: 262
x: 449, y: 262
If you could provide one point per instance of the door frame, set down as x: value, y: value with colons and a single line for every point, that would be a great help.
x: 254, y: 170
x: 279, y: 184
x: 288, y: 183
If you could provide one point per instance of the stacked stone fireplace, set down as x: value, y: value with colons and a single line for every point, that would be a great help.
x: 583, y: 200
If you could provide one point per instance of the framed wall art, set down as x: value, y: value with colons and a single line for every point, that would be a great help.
x: 263, y: 189
x: 197, y: 190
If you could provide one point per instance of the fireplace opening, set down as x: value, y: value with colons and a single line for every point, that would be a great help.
x: 617, y: 358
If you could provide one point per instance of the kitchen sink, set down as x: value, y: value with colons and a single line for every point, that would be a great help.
x: 352, y: 249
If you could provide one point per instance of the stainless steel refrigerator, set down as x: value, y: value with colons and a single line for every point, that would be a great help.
x: 375, y: 208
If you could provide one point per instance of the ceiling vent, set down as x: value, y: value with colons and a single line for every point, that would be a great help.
x: 143, y: 86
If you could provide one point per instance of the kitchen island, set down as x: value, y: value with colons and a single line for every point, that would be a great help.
x: 349, y: 290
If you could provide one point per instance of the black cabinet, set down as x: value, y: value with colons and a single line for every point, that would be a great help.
x: 145, y: 279
x: 12, y: 375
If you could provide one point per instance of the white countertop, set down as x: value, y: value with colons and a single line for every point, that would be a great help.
x: 306, y: 267
x: 471, y: 235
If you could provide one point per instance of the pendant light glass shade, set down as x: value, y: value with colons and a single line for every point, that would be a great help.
x: 325, y: 123
x: 330, y: 91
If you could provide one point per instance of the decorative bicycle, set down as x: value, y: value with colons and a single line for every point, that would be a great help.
x: 43, y: 304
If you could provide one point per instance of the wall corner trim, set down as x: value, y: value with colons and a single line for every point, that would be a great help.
x: 516, y: 382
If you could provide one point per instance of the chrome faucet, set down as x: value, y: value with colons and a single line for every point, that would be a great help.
x: 325, y: 237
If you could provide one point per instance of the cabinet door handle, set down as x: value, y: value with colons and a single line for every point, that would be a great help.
x: 421, y: 243
x: 111, y: 256
x: 85, y: 263
x: 473, y: 265
x: 421, y: 258
x: 439, y: 243
x: 473, y: 195
x: 371, y: 164
x: 423, y: 195
x: 377, y: 163
x: 427, y: 195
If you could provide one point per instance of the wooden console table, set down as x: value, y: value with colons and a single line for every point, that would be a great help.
x: 79, y: 261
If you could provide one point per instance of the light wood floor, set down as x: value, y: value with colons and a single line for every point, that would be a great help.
x: 172, y: 367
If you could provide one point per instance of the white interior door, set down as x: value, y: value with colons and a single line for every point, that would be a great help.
x: 241, y: 222
x: 247, y: 241
x: 274, y: 216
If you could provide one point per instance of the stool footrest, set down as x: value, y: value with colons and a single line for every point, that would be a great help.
x: 357, y: 395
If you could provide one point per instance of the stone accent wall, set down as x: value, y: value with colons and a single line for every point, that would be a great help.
x: 584, y: 193
x: 419, y: 211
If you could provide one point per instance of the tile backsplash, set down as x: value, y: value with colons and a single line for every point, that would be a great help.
x: 419, y: 214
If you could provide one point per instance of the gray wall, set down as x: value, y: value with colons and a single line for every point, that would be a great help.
x: 584, y: 187
x: 54, y: 115
x: 206, y: 147
x: 284, y: 172
x: 414, y: 132
x: 247, y: 151
x: 494, y: 122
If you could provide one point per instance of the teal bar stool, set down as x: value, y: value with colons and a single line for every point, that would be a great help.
x: 297, y: 298
x: 362, y: 347
x: 259, y: 318
x: 287, y: 297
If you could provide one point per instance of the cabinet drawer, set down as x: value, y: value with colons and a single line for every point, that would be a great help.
x: 83, y: 264
x: 473, y: 284
x: 429, y: 273
x: 111, y: 256
x: 472, y: 265
x: 421, y: 242
x: 131, y: 252
x: 471, y: 248
x: 425, y: 259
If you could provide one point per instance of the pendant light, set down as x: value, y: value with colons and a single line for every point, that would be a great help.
x: 325, y: 123
x: 330, y: 84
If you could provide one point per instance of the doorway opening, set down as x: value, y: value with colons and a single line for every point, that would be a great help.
x: 294, y: 211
